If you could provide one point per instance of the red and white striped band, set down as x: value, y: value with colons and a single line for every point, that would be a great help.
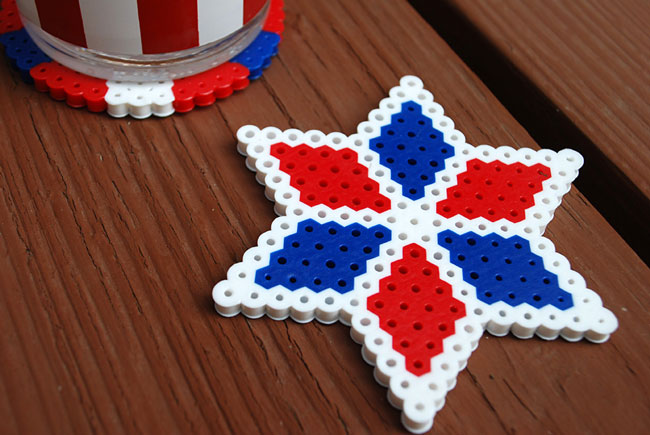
x: 140, y: 26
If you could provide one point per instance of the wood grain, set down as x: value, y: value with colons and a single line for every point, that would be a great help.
x: 112, y: 233
x: 533, y: 38
x: 591, y: 58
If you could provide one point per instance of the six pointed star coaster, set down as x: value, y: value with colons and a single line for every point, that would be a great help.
x: 417, y: 240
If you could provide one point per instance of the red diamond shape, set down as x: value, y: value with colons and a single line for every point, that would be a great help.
x: 416, y: 308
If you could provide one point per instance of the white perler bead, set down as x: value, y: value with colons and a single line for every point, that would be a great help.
x: 139, y: 99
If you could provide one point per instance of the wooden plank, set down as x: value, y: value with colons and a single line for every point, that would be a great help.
x: 590, y: 58
x: 573, y: 74
x: 112, y: 233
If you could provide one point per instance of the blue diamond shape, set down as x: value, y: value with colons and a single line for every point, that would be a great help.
x: 322, y: 256
x: 413, y: 150
x: 504, y: 270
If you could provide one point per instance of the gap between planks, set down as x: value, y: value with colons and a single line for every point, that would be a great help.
x: 608, y: 188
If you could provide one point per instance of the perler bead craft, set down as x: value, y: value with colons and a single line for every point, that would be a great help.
x: 142, y: 99
x: 417, y: 240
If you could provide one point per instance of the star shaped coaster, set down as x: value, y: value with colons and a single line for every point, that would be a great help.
x: 137, y: 99
x: 414, y: 238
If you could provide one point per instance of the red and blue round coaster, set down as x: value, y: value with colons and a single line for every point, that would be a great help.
x: 137, y: 99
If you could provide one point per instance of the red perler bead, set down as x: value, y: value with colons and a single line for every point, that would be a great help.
x: 329, y: 177
x: 416, y: 308
x: 9, y: 17
x: 204, y: 88
x: 494, y: 191
x: 78, y: 90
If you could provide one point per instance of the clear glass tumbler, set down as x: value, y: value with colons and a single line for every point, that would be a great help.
x: 142, y: 40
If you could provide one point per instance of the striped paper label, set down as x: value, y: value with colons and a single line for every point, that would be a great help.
x: 140, y: 26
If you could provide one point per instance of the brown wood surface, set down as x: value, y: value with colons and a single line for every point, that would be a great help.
x: 112, y: 233
x: 591, y: 58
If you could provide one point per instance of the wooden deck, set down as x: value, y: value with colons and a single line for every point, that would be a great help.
x: 113, y: 232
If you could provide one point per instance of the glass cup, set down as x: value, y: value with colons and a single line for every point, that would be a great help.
x: 142, y: 40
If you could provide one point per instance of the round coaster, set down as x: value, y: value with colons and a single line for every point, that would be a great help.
x: 137, y: 99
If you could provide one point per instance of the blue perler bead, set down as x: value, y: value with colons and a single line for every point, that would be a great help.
x: 322, y: 256
x: 257, y: 56
x: 413, y: 150
x: 504, y: 270
x: 22, y: 52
